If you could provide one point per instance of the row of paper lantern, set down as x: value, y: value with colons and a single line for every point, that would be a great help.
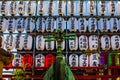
x: 74, y: 60
x: 42, y: 25
x: 92, y: 7
x: 84, y: 42
x: 29, y: 7
x: 45, y: 61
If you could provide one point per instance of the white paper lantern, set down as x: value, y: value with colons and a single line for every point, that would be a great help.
x: 40, y: 60
x: 105, y: 42
x: 30, y: 24
x: 13, y: 7
x: 93, y: 42
x: 50, y: 45
x: 114, y: 26
x: 20, y: 24
x: 72, y: 24
x: 104, y: 24
x: 28, y: 42
x: 102, y: 7
x: 4, y: 9
x: 21, y: 7
x: 91, y: 7
x: 50, y: 7
x: 82, y: 25
x: 40, y: 42
x: 83, y: 60
x: 62, y: 45
x: 115, y: 42
x: 19, y: 42
x: 50, y: 24
x: 112, y: 7
x: 17, y: 61
x: 40, y: 7
x: 71, y: 7
x: 82, y: 7
x: 11, y: 24
x: 61, y: 7
x: 83, y: 42
x: 3, y: 24
x: 118, y: 7
x: 73, y: 60
x: 40, y: 24
x: 73, y: 44
x: 94, y: 59
x: 30, y: 7
x: 10, y: 42
x: 60, y: 23
x: 92, y: 27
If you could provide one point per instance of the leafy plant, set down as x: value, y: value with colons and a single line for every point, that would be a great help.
x: 20, y: 74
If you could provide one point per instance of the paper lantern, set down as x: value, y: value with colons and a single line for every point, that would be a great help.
x: 20, y: 24
x: 40, y: 60
x: 40, y: 7
x: 73, y: 44
x: 83, y: 60
x: 30, y: 7
x: 114, y: 26
x: 21, y: 7
x: 72, y: 24
x: 3, y: 25
x: 4, y: 8
x: 103, y: 25
x: 27, y: 59
x: 60, y: 23
x: 10, y: 42
x: 61, y: 7
x: 112, y: 59
x: 73, y: 60
x: 71, y: 7
x: 3, y: 39
x: 50, y: 24
x: 62, y: 45
x: 105, y: 42
x: 94, y: 59
x: 11, y: 24
x: 91, y: 7
x: 118, y: 59
x: 19, y: 42
x: 13, y: 7
x: 83, y: 42
x: 40, y: 24
x: 93, y: 42
x: 115, y: 42
x: 117, y: 7
x: 102, y: 7
x: 49, y: 59
x: 82, y: 7
x: 40, y: 42
x: 50, y: 45
x: 17, y: 61
x: 92, y: 27
x: 50, y: 7
x: 82, y: 25
x: 112, y: 7
x: 30, y: 24
x: 104, y: 58
x: 27, y: 42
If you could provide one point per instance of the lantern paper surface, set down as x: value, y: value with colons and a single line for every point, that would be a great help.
x: 40, y: 42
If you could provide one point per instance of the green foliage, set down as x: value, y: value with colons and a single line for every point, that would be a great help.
x: 20, y: 74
